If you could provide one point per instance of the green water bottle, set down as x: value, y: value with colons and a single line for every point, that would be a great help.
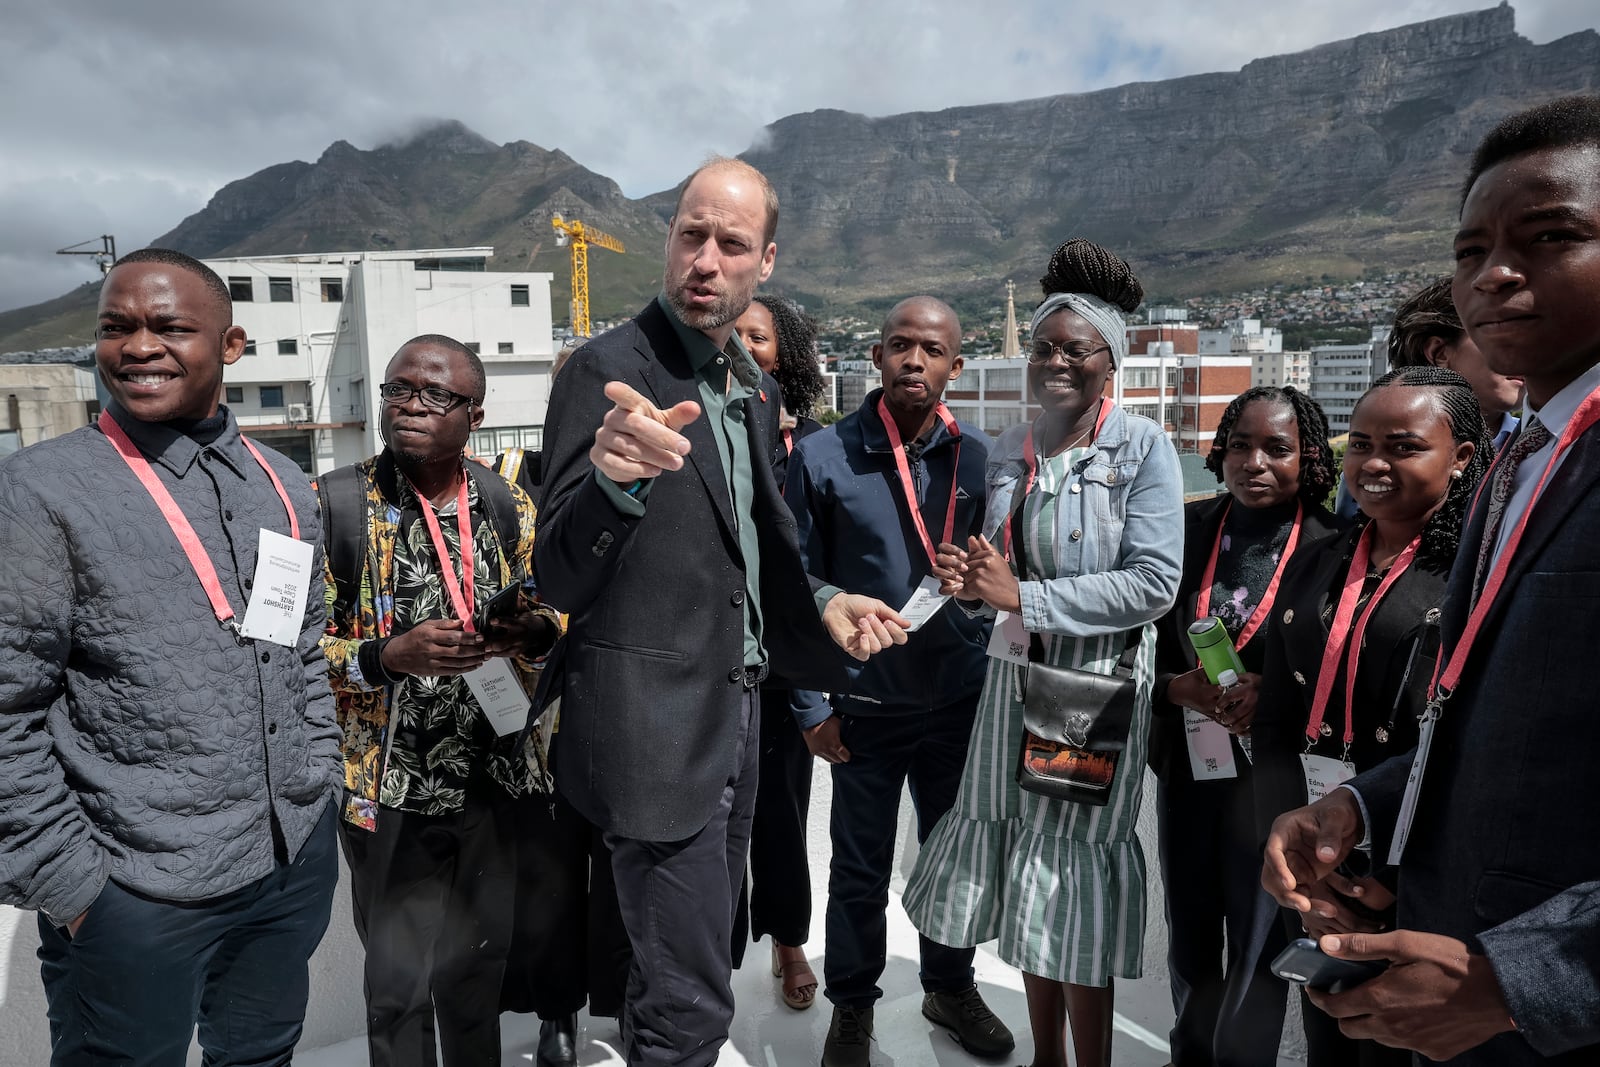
x: 1214, y: 648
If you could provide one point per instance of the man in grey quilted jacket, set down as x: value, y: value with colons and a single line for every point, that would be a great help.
x: 165, y: 804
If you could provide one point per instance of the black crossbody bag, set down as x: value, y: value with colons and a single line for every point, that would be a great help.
x: 1075, y: 723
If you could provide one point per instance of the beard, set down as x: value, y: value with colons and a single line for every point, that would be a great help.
x: 727, y: 308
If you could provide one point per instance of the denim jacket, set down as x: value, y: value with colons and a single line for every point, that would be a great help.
x: 1119, y: 542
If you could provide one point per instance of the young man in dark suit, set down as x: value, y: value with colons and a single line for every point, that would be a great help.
x: 1497, y: 956
x: 662, y: 533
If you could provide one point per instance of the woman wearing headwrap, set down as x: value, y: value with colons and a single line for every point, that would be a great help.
x: 1093, y: 497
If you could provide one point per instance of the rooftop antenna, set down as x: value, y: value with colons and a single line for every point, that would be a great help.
x: 104, y: 256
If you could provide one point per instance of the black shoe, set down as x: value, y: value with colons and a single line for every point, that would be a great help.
x: 558, y: 1042
x: 969, y: 1020
x: 849, y: 1042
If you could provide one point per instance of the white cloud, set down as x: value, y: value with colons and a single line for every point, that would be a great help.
x: 124, y: 117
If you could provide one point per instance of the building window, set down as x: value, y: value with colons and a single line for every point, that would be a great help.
x: 472, y: 346
x: 288, y: 346
x: 272, y: 396
x: 1003, y: 379
x: 332, y: 290
x: 506, y: 348
x: 249, y: 348
x: 235, y: 394
x: 282, y: 290
x: 242, y: 290
x: 519, y: 296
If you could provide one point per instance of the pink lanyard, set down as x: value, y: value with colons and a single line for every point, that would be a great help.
x: 178, y: 522
x: 461, y: 593
x: 1346, y: 639
x: 1030, y: 459
x: 903, y: 466
x: 1208, y: 578
x: 788, y: 442
x: 1447, y: 675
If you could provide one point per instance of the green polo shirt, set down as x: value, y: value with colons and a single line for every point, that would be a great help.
x: 724, y: 400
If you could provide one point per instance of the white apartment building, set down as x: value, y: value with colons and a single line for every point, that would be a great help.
x: 322, y: 328
x: 1279, y: 369
x: 1241, y: 336
x: 1341, y: 373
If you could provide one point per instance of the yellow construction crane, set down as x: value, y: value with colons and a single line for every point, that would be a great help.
x: 580, y: 237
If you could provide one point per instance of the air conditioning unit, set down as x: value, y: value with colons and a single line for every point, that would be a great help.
x: 299, y: 412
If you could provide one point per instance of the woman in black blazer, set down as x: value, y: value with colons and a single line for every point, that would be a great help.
x: 1272, y: 455
x: 1366, y: 599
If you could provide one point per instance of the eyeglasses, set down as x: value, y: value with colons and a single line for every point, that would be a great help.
x: 433, y: 397
x: 1076, y: 355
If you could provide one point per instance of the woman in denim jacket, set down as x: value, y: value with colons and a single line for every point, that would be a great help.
x: 1061, y: 884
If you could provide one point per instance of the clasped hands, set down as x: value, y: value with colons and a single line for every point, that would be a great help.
x: 1437, y: 997
x: 977, y: 572
x: 1233, y: 707
x: 637, y: 440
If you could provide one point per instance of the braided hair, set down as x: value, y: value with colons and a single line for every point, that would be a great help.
x: 1081, y: 266
x: 1442, y: 535
x: 1428, y: 314
x: 1317, y: 474
x: 799, y: 378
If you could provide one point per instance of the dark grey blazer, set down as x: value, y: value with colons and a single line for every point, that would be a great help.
x: 649, y: 674
x: 1505, y: 851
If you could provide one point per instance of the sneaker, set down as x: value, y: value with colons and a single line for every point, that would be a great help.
x: 849, y: 1042
x: 970, y: 1022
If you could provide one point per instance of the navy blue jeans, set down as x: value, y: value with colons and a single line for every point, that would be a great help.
x: 131, y: 986
x: 928, y: 749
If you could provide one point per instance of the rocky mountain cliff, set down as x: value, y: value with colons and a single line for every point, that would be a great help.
x: 1332, y: 160
x: 1345, y: 156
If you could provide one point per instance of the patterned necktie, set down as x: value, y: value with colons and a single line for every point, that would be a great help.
x: 1532, y: 438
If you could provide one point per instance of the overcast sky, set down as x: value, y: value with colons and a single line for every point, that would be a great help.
x: 124, y: 117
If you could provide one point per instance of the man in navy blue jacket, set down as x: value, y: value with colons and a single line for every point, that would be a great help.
x: 873, y: 496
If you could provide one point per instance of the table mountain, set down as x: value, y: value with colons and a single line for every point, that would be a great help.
x: 1327, y: 161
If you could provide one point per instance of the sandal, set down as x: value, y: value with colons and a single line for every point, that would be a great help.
x: 799, y: 981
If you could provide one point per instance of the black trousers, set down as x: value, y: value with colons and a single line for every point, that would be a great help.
x: 131, y: 986
x: 567, y: 939
x: 928, y: 749
x: 1224, y: 930
x: 434, y: 901
x: 776, y: 899
x: 677, y: 900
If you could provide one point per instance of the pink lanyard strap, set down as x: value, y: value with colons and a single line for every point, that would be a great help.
x: 1208, y: 578
x: 461, y: 593
x: 903, y: 466
x: 1345, y: 639
x: 1447, y: 674
x: 788, y: 442
x: 1030, y: 460
x: 178, y: 522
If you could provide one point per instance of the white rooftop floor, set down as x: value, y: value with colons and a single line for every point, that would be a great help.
x: 766, y: 1033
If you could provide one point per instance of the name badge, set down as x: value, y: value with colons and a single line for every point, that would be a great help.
x: 498, y: 691
x: 1408, y: 802
x: 925, y: 602
x: 1324, y: 774
x: 277, y: 608
x: 1009, y: 641
x: 1210, y: 747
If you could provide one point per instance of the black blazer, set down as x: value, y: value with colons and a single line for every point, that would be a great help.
x: 649, y: 673
x: 1407, y: 619
x: 1174, y: 655
x: 1504, y: 851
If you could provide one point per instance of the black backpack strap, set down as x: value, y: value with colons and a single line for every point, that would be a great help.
x: 343, y: 530
x: 495, y: 494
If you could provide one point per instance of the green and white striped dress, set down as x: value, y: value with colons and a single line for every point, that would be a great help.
x: 1060, y: 884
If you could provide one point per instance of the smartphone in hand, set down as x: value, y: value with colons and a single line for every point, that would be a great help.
x: 501, y: 606
x: 1305, y: 964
